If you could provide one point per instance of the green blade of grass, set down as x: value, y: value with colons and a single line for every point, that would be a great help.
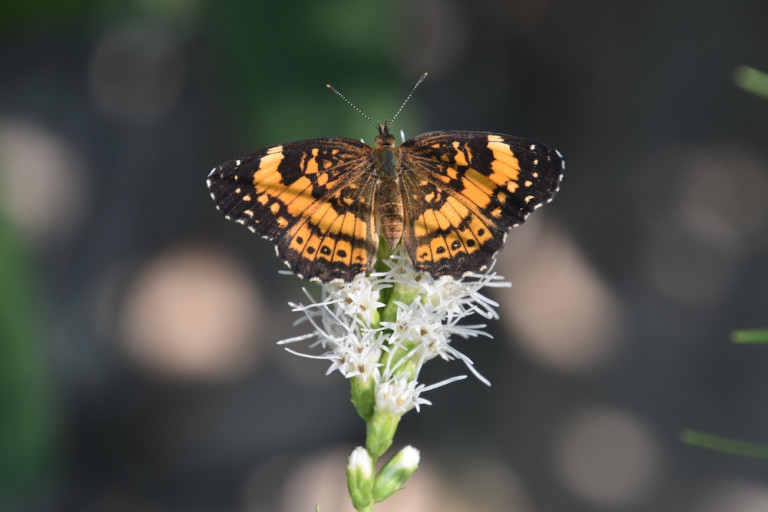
x: 750, y: 336
x: 751, y: 80
x: 724, y: 444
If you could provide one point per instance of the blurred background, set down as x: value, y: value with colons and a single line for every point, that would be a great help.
x: 138, y: 364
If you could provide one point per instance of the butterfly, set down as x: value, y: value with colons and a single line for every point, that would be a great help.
x: 449, y: 197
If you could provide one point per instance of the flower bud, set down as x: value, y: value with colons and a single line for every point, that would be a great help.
x: 363, y: 395
x: 395, y: 472
x: 360, y: 478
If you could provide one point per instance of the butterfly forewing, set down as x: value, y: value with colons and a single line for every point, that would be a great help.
x: 314, y: 198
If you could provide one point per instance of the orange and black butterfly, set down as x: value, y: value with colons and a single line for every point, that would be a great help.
x: 449, y: 197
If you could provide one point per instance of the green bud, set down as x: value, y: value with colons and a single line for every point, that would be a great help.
x: 360, y: 478
x: 363, y: 397
x: 395, y: 472
x: 381, y: 431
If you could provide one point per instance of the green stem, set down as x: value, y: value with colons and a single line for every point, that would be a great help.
x: 383, y: 253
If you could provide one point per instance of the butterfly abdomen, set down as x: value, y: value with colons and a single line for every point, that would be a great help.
x: 389, y: 202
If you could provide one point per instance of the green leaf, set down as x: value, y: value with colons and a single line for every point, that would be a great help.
x: 750, y: 336
x: 751, y: 80
x: 724, y: 444
x: 27, y: 413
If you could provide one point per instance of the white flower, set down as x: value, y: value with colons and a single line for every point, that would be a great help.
x: 399, y: 395
x: 389, y: 343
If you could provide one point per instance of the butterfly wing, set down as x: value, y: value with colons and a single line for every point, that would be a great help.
x: 313, y: 198
x: 464, y: 190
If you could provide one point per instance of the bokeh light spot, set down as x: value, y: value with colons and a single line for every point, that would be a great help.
x: 723, y: 195
x: 560, y: 310
x: 192, y: 313
x: 733, y: 496
x: 43, y: 190
x: 709, y: 216
x: 607, y: 457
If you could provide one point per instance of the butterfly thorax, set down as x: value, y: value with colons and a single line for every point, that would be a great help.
x: 389, y: 201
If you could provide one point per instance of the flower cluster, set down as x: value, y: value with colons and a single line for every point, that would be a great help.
x: 381, y: 328
x: 378, y: 331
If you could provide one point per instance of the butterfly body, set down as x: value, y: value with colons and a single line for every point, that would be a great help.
x: 450, y: 197
x: 388, y: 204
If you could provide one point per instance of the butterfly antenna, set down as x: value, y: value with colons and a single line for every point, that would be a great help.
x: 418, y: 82
x: 351, y: 104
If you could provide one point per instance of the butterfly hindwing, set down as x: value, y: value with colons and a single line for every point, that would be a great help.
x: 314, y: 198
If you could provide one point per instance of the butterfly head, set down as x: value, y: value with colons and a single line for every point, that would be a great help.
x: 384, y: 138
